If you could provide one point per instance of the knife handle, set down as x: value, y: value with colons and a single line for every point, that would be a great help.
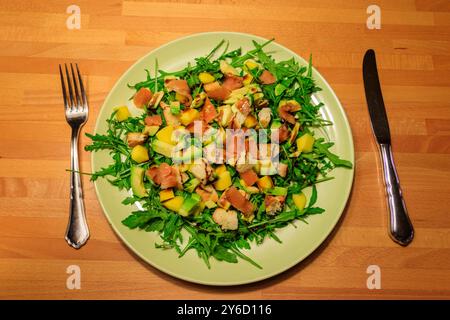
x: 400, y: 226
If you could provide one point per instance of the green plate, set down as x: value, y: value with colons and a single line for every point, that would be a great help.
x: 274, y: 257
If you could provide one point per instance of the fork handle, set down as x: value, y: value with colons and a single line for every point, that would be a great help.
x: 400, y: 227
x: 77, y: 232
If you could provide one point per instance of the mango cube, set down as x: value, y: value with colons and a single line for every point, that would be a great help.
x: 305, y: 143
x: 166, y: 195
x: 165, y: 134
x: 220, y: 169
x: 250, y: 121
x: 174, y: 204
x: 122, y: 113
x: 248, y: 78
x: 139, y: 154
x: 224, y: 181
x: 188, y: 116
x: 299, y: 200
x: 265, y: 183
x: 251, y: 64
x: 206, y: 77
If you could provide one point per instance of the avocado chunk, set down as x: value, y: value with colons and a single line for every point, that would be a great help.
x: 279, y: 89
x: 150, y: 130
x: 191, y: 185
x: 275, y: 124
x: 175, y: 108
x: 278, y: 191
x: 189, y: 205
x: 162, y: 147
x: 137, y: 181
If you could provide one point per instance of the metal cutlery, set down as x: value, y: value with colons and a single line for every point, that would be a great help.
x: 400, y: 227
x: 76, y: 111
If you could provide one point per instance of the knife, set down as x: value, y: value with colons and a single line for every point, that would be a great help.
x: 400, y: 226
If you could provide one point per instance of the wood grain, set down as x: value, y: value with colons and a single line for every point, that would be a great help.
x: 413, y: 50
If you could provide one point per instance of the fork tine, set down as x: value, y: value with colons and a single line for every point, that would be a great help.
x: 83, y: 93
x: 77, y: 93
x: 63, y: 86
x: 69, y: 84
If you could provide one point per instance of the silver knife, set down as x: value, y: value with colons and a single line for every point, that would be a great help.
x: 400, y: 226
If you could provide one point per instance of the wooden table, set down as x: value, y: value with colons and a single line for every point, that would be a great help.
x: 413, y: 51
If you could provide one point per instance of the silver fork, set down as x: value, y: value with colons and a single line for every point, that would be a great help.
x: 76, y: 110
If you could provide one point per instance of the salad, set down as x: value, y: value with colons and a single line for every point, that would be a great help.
x: 220, y: 152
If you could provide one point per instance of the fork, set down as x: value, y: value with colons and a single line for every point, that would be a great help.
x: 76, y: 111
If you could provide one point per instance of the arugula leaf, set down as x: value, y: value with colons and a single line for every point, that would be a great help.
x: 155, y: 225
x: 314, y: 210
x: 313, y: 198
x: 222, y: 254
x: 130, y: 200
x: 338, y: 162
x: 140, y: 219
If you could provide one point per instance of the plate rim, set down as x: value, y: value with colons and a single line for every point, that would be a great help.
x: 348, y: 187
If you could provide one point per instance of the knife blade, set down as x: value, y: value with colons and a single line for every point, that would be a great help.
x: 400, y: 227
x: 374, y: 97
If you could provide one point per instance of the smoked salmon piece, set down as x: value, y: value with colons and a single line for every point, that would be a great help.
x: 239, y: 201
x: 155, y: 120
x: 181, y: 87
x: 208, y: 112
x: 142, y: 97
x: 285, y: 112
x: 244, y: 106
x: 232, y: 82
x: 164, y: 175
x: 267, y: 78
x: 216, y: 91
x: 207, y: 193
x: 283, y: 133
x: 274, y: 204
x: 250, y: 177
